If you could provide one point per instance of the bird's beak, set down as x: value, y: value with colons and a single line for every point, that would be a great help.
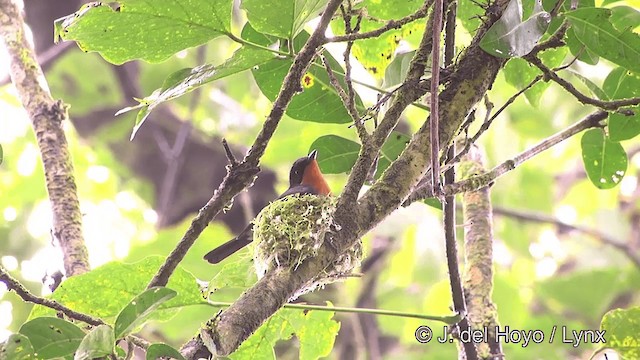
x: 312, y: 155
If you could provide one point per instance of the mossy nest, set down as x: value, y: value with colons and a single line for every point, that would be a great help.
x: 290, y: 230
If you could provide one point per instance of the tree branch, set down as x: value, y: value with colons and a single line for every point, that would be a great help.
x: 479, y: 181
x: 600, y: 236
x: 605, y: 105
x: 14, y: 285
x: 478, y: 245
x: 389, y: 25
x: 47, y: 117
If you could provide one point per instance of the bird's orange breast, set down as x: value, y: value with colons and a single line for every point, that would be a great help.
x: 313, y: 177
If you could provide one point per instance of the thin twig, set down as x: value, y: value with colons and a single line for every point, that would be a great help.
x: 26, y: 295
x: 389, y: 25
x: 434, y: 116
x: 602, y: 237
x: 605, y: 105
x: 350, y: 102
x: 227, y: 150
x: 479, y: 181
x: 487, y: 123
x: 362, y: 132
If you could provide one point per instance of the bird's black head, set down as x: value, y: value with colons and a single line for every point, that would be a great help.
x: 297, y: 170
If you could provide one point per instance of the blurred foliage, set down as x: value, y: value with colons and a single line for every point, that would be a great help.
x: 546, y: 274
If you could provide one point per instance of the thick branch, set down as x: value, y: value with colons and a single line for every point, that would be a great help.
x: 47, y: 117
x: 478, y: 245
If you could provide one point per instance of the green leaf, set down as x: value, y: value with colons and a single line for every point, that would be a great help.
x: 236, y: 273
x: 621, y: 84
x: 391, y: 149
x: 316, y: 333
x: 510, y: 36
x: 140, y: 309
x: 185, y: 80
x: 593, y: 28
x: 593, y: 88
x: 469, y: 13
x: 391, y: 9
x: 376, y: 53
x: 579, y: 49
x: 52, y: 337
x: 336, y: 154
x: 99, y: 342
x: 17, y: 347
x: 397, y: 70
x: 625, y: 18
x: 104, y: 291
x: 1, y: 154
x: 291, y: 15
x: 604, y: 160
x: 158, y: 350
x: 151, y: 31
x: 622, y: 328
x: 318, y: 100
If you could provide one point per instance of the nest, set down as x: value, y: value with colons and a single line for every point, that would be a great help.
x: 291, y: 230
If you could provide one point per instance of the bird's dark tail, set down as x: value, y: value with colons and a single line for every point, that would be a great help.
x: 230, y: 247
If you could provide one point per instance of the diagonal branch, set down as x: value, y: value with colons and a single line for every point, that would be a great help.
x: 47, y: 117
x: 605, y: 105
x: 241, y: 176
x: 389, y: 25
x: 14, y: 285
x: 597, y: 234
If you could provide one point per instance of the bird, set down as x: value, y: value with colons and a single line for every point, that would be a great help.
x: 305, y: 177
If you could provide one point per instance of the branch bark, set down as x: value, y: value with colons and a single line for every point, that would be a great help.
x: 478, y: 244
x: 47, y: 118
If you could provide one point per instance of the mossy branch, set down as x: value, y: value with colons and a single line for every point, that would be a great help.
x: 47, y: 118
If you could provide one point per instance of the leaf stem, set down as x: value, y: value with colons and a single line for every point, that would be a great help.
x: 451, y: 319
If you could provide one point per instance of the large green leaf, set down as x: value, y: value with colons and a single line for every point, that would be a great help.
x: 621, y: 84
x: 338, y: 155
x: 186, y: 80
x: 17, y: 347
x: 98, y: 343
x: 158, y: 350
x: 315, y: 330
x: 625, y: 18
x: 140, y: 309
x: 391, y: 9
x: 318, y: 101
x: 104, y: 291
x: 604, y: 160
x: 147, y: 30
x: 622, y: 328
x: 376, y: 53
x: 520, y: 73
x: 579, y: 49
x: 512, y: 37
x: 593, y: 28
x: 284, y: 18
x: 52, y: 337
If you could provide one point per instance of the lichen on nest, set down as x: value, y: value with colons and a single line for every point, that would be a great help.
x: 290, y: 230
